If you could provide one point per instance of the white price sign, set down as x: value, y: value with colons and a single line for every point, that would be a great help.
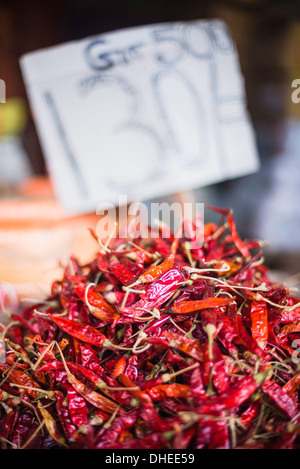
x: 143, y: 112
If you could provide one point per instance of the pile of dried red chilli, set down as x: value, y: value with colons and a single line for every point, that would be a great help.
x: 156, y: 345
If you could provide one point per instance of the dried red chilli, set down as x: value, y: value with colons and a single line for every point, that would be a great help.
x: 77, y: 407
x: 154, y: 345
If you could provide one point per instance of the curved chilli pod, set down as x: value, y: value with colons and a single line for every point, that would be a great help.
x: 81, y: 331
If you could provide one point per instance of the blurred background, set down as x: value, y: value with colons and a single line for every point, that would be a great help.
x: 34, y: 231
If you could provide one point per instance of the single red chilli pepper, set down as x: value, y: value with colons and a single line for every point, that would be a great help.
x: 208, y: 316
x: 210, y: 352
x: 79, y: 330
x: 97, y: 301
x: 89, y: 358
x: 162, y: 391
x: 162, y: 289
x: 197, y: 305
x: 280, y: 398
x: 248, y: 341
x: 220, y: 378
x: 153, y: 273
x: 51, y: 424
x: 235, y: 237
x: 259, y: 322
x: 64, y: 416
x: 228, y: 331
x: 5, y: 386
x: 156, y: 293
x: 93, y: 297
x: 77, y: 407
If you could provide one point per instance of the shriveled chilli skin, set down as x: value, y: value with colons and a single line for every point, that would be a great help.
x: 77, y: 407
x: 94, y: 297
x: 157, y: 293
x: 181, y: 391
x: 125, y: 276
x: 189, y: 306
x: 89, y: 358
x: 64, y: 416
x: 259, y: 322
x: 288, y: 317
x: 81, y: 331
